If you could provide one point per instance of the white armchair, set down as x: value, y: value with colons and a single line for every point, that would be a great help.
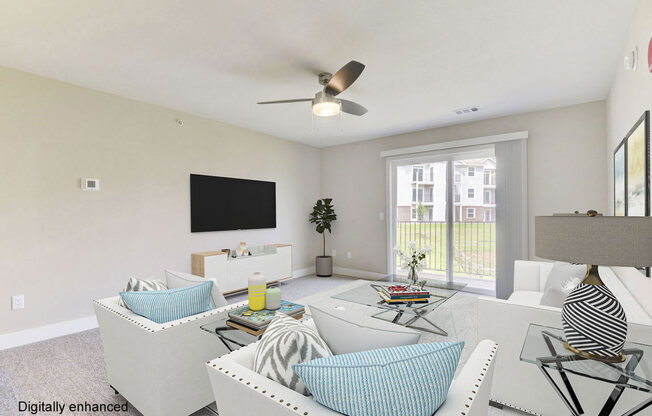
x: 521, y: 385
x: 159, y: 368
x: 241, y: 391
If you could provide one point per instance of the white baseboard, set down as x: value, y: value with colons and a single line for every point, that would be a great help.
x: 304, y: 272
x: 362, y: 274
x: 28, y: 336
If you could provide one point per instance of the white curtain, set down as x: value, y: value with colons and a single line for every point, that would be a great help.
x: 511, y: 212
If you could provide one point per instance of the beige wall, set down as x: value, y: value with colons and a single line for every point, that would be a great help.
x: 630, y: 96
x: 62, y: 247
x: 631, y: 92
x: 566, y: 171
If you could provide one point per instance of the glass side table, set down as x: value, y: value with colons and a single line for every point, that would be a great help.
x: 232, y: 338
x: 544, y: 347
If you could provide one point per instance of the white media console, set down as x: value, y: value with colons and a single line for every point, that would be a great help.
x: 274, y: 261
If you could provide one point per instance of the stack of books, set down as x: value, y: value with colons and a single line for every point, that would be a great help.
x: 255, y: 322
x: 404, y: 294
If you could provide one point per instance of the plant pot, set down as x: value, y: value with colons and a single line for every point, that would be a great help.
x: 324, y: 266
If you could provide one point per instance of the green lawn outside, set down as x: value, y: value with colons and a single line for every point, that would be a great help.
x: 475, y: 246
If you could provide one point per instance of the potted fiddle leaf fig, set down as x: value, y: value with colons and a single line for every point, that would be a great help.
x: 322, y: 215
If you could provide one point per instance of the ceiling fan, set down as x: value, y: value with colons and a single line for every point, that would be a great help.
x: 325, y: 104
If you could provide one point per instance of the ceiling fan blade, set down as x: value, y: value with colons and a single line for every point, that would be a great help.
x: 297, y: 100
x: 353, y: 108
x: 344, y: 77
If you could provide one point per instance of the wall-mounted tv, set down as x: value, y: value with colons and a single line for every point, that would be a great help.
x: 220, y: 204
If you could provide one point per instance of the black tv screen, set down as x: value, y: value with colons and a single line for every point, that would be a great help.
x: 219, y: 204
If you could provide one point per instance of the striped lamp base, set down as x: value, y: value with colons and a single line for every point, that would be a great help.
x: 594, y: 323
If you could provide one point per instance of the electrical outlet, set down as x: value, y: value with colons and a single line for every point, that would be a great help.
x: 17, y: 302
x: 333, y: 253
x: 381, y: 216
x: 349, y: 255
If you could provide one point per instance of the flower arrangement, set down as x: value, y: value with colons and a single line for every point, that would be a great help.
x: 412, y: 259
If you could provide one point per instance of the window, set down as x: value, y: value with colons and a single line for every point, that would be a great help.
x: 470, y: 213
x: 471, y: 193
x: 489, y: 197
x: 429, y: 214
x: 417, y: 174
x: 489, y: 177
x: 458, y: 178
x: 458, y: 198
x: 489, y: 215
x: 417, y: 194
x: 428, y: 195
x: 413, y: 213
x: 432, y: 173
x: 471, y: 171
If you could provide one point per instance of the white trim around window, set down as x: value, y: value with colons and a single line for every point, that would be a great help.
x: 470, y: 213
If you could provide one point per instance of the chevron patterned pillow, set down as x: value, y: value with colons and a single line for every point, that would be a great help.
x: 286, y: 342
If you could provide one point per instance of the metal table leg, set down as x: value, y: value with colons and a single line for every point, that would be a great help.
x: 411, y: 321
x: 639, y: 408
x: 564, y: 376
x: 559, y: 392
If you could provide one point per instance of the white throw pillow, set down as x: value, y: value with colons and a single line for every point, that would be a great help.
x: 562, y: 279
x: 179, y: 279
x: 285, y: 342
x: 141, y: 285
x: 346, y: 332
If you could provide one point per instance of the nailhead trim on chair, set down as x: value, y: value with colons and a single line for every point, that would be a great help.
x: 490, y: 358
x: 467, y: 405
x: 256, y: 388
x: 163, y: 327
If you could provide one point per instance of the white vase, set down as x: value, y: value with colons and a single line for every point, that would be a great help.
x: 241, y: 250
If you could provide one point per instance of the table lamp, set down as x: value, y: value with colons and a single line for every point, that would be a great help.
x: 593, y: 320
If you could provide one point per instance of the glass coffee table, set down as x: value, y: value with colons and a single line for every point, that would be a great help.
x: 440, y: 292
x: 544, y: 347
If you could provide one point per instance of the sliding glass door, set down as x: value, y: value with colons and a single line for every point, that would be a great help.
x: 447, y: 203
x: 421, y: 213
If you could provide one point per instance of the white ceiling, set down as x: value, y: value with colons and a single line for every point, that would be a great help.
x: 424, y: 58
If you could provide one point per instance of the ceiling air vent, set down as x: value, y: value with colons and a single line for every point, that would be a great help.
x: 467, y: 110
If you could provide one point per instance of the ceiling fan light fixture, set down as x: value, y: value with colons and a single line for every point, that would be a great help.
x: 326, y: 106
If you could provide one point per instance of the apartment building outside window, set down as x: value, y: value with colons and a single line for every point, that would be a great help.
x: 489, y: 177
x: 428, y: 194
x: 417, y: 174
x: 471, y: 193
x: 470, y: 213
x: 471, y: 171
x: 458, y: 178
x: 417, y: 194
x: 489, y: 197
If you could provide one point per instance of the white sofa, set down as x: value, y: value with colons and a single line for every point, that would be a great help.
x: 240, y: 391
x: 522, y: 385
x: 159, y: 368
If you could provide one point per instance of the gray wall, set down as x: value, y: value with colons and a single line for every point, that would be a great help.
x: 630, y: 96
x: 566, y: 171
x: 62, y: 247
x: 631, y: 92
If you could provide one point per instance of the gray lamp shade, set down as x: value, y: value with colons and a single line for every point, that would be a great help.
x: 599, y: 240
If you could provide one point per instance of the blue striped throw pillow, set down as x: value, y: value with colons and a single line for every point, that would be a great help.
x: 410, y: 380
x: 163, y: 306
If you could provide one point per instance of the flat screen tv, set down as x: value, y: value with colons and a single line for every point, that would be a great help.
x: 220, y: 204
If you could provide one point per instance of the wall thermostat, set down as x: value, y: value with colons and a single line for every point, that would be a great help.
x: 90, y: 184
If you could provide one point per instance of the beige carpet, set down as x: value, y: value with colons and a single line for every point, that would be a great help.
x: 71, y: 368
